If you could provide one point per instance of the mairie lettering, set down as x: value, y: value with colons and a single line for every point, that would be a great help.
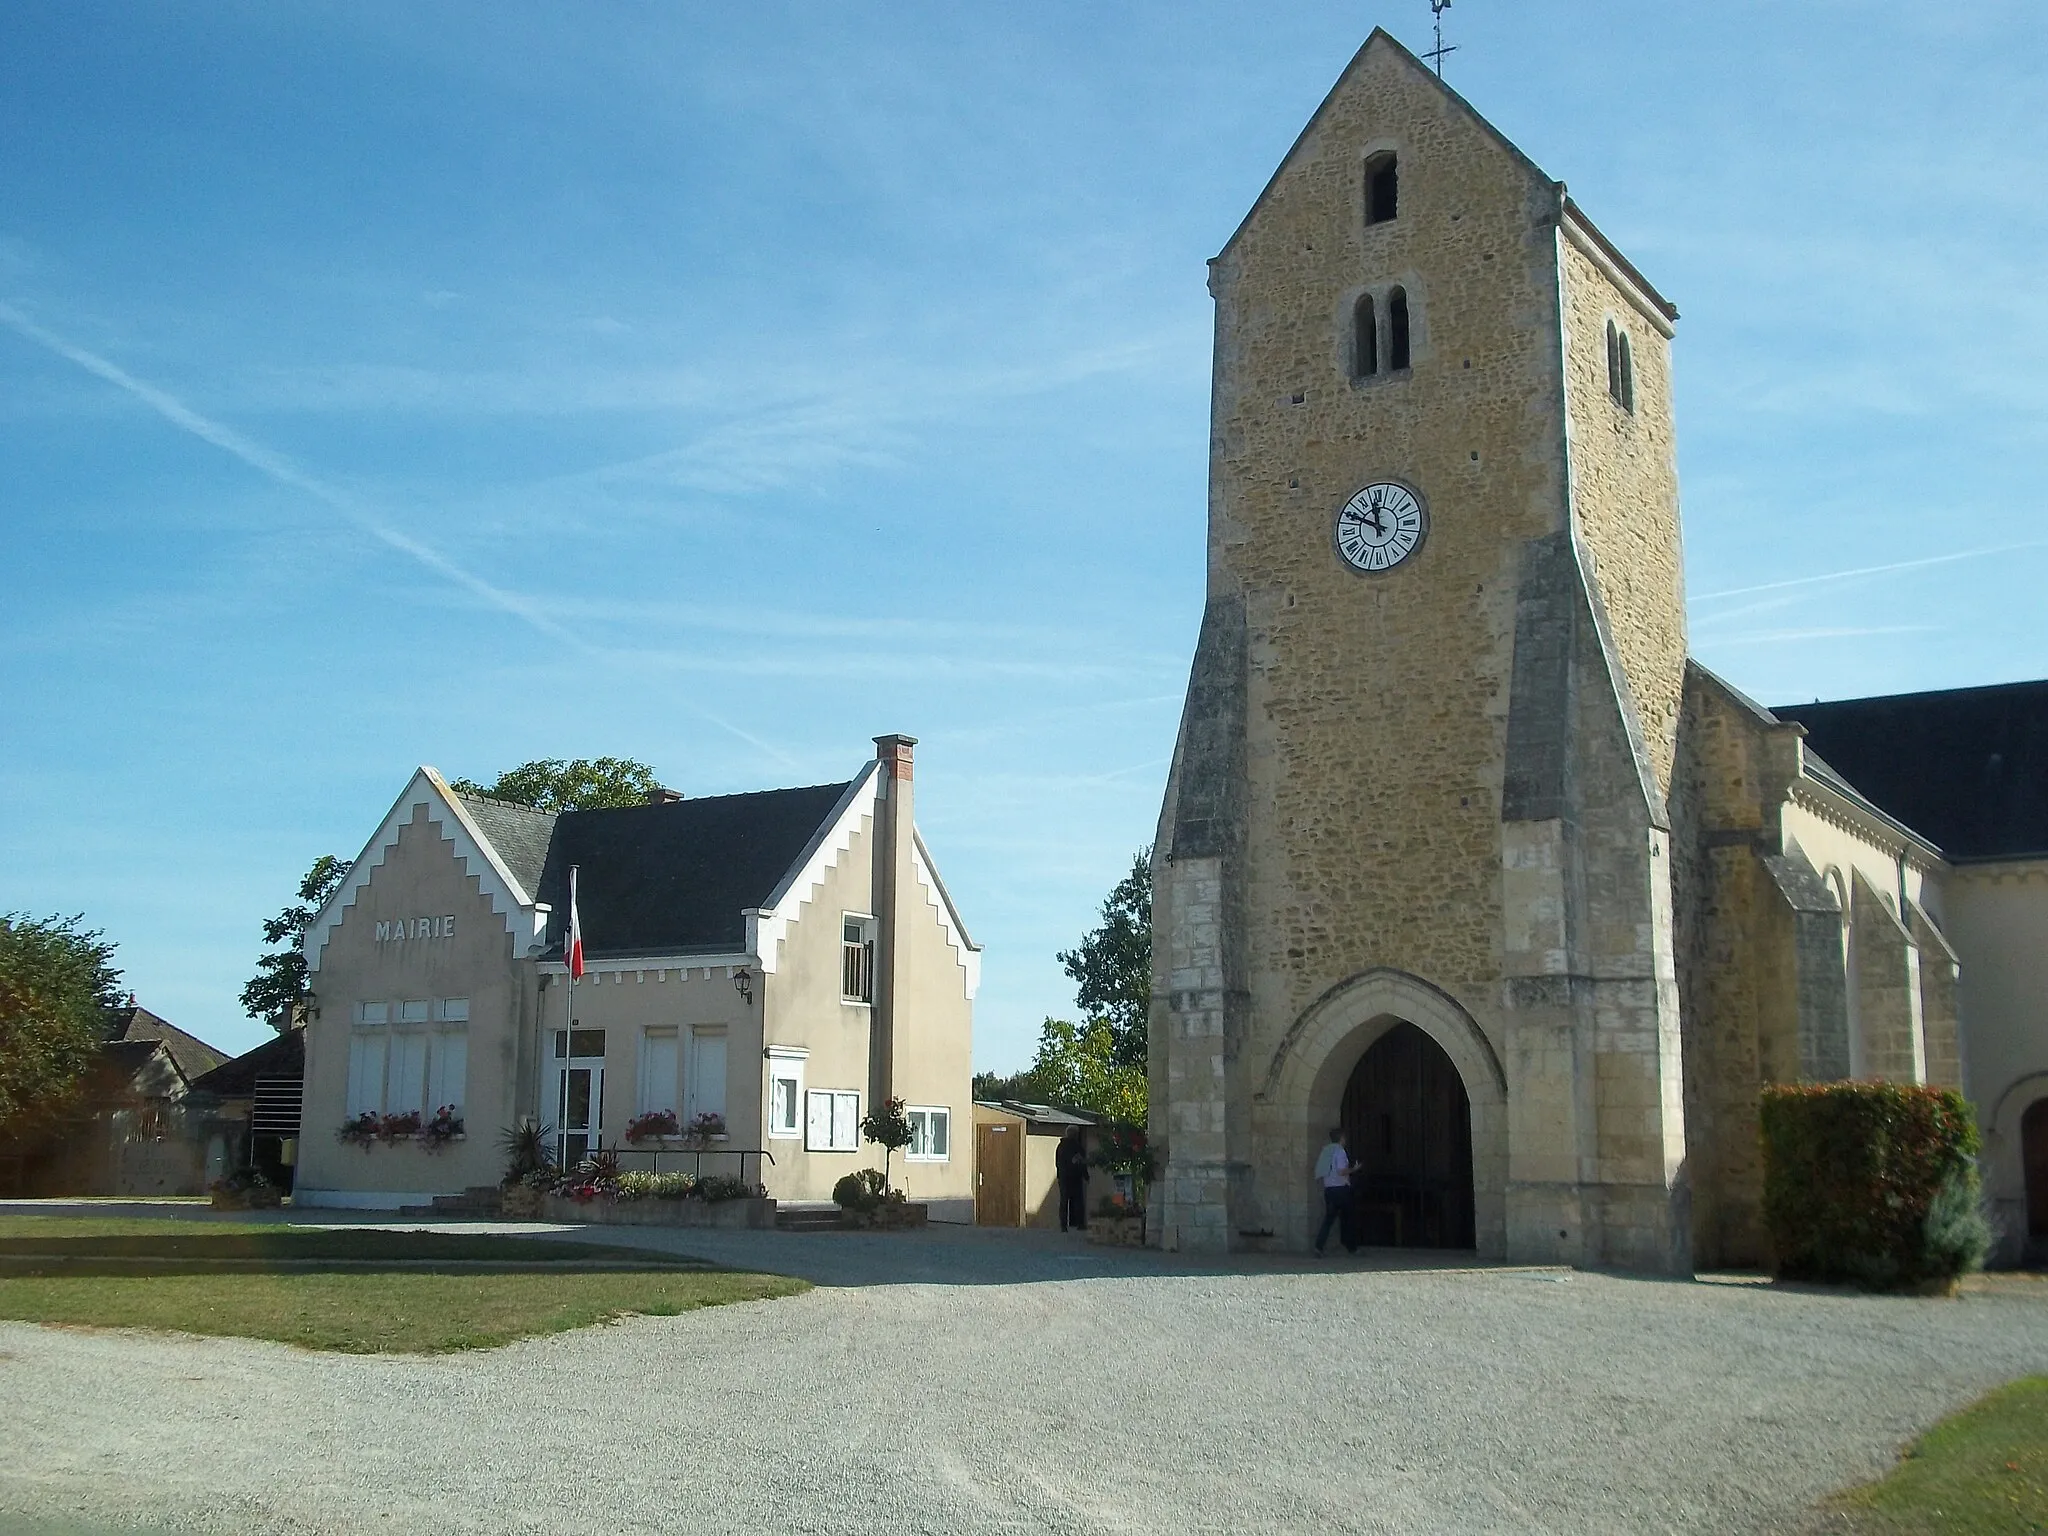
x: 401, y: 928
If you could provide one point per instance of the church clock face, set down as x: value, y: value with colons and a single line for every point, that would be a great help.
x: 1381, y: 526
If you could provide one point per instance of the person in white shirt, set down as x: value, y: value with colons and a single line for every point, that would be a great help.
x: 1333, y: 1172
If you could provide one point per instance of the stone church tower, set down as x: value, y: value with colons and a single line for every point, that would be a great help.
x: 1414, y: 867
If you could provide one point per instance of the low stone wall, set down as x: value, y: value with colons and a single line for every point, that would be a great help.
x: 661, y: 1213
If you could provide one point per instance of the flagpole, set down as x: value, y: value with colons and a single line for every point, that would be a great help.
x: 569, y: 938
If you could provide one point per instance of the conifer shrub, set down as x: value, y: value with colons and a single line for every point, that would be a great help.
x: 1874, y: 1184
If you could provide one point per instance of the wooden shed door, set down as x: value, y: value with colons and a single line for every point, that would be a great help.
x: 999, y: 1175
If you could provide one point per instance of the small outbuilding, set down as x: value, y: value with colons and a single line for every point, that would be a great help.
x: 1015, y: 1182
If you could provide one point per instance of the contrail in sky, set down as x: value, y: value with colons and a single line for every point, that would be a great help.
x: 269, y: 462
x: 1870, y: 570
x: 281, y: 469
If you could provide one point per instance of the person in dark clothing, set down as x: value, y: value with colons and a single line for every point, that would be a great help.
x: 1070, y: 1162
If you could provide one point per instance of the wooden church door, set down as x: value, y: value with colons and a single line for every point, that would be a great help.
x: 1408, y: 1123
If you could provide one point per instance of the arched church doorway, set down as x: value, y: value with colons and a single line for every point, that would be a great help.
x: 2034, y: 1158
x: 1408, y: 1123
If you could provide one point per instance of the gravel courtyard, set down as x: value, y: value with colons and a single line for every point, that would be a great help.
x: 971, y: 1382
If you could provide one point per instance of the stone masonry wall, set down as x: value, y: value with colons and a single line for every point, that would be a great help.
x: 1378, y: 703
x: 1624, y: 471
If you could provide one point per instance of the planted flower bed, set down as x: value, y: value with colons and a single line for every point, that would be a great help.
x: 866, y: 1201
x: 596, y: 1191
x: 1118, y: 1222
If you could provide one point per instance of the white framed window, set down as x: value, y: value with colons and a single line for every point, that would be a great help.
x: 454, y: 1010
x: 832, y: 1121
x: 417, y: 1011
x: 405, y: 1081
x: 931, y: 1134
x: 785, y: 1093
x: 447, y: 1070
x: 656, y: 1089
x: 366, y: 1072
x: 857, y: 958
x: 704, y: 1075
x: 373, y: 1014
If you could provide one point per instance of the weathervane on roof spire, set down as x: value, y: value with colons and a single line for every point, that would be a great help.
x: 1437, y: 9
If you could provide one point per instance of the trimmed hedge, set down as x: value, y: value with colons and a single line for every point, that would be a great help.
x: 1872, y: 1183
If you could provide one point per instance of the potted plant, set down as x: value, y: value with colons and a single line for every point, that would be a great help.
x: 865, y: 1200
x: 246, y: 1189
x: 1119, y: 1218
x: 360, y: 1131
x: 654, y: 1125
x: 445, y: 1127
x: 704, y: 1130
x: 529, y: 1168
x: 405, y: 1127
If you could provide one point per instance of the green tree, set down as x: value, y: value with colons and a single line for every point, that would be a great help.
x: 580, y: 784
x: 277, y: 992
x: 1113, y: 967
x: 1077, y: 1066
x: 60, y: 998
x: 994, y: 1087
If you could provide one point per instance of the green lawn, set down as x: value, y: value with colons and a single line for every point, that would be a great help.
x: 1983, y: 1472
x: 350, y: 1290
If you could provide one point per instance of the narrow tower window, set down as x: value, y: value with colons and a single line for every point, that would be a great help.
x: 1621, y: 369
x: 1397, y: 329
x: 1365, y: 339
x: 1382, y: 188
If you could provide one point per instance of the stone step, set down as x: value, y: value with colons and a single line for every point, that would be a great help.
x: 478, y: 1203
x: 807, y: 1218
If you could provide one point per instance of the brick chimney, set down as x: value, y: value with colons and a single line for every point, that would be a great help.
x: 895, y: 888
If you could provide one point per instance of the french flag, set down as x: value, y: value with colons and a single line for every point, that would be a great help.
x: 572, y: 949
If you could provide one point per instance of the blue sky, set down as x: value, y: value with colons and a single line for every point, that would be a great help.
x: 722, y: 386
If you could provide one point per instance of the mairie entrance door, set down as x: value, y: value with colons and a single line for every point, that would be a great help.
x: 579, y: 1094
x: 1408, y: 1123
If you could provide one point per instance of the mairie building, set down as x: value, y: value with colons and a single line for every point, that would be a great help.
x: 778, y: 961
x: 1461, y: 851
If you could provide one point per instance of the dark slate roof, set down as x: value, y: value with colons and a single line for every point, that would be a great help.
x: 518, y: 832
x: 1966, y: 768
x: 660, y: 879
x: 123, y: 1063
x: 192, y: 1054
x: 283, y: 1057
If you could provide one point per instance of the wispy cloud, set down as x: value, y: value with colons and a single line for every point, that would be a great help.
x: 1847, y: 632
x: 1856, y: 572
x: 276, y: 466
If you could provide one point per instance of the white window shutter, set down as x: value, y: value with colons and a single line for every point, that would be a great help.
x: 846, y: 1122
x: 448, y: 1071
x: 818, y: 1121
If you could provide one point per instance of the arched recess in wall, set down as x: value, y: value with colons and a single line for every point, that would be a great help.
x: 1304, y: 1083
x: 1621, y: 368
x: 1382, y: 188
x: 1397, y: 329
x: 1365, y: 338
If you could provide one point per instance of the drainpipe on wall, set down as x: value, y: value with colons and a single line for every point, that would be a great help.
x: 894, y: 884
